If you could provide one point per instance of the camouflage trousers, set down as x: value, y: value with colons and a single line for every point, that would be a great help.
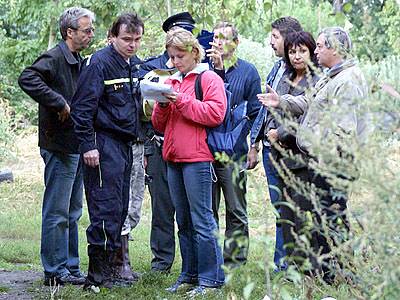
x: 136, y: 193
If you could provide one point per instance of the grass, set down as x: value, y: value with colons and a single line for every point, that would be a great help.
x: 20, y: 224
x: 4, y: 289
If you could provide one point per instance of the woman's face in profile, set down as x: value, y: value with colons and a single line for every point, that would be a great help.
x: 184, y: 61
x: 299, y: 56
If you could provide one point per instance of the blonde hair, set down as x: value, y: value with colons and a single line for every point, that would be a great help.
x: 184, y: 41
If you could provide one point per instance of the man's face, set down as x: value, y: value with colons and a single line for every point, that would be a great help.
x: 82, y: 36
x: 223, y: 37
x: 127, y: 43
x: 325, y: 56
x: 277, y: 42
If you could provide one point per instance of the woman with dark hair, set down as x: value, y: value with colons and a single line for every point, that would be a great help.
x: 299, y: 50
x: 301, y: 60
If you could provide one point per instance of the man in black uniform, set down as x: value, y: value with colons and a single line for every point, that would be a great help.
x: 105, y: 112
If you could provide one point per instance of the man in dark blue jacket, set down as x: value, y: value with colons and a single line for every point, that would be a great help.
x: 244, y: 83
x: 51, y: 81
x: 105, y: 112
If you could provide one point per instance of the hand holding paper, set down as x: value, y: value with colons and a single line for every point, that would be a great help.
x: 159, y: 92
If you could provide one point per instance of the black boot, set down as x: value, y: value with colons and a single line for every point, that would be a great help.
x: 121, y: 262
x: 99, y: 270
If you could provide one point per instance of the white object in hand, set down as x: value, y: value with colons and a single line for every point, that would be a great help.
x: 154, y: 90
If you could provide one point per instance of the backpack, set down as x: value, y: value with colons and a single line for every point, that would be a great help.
x: 224, y: 137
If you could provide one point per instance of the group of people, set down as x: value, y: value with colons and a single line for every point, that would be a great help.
x: 92, y: 133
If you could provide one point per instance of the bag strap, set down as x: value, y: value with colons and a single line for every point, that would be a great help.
x: 197, y: 87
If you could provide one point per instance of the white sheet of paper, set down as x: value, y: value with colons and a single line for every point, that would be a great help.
x: 153, y: 90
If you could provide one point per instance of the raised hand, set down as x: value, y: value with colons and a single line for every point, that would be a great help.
x: 270, y: 99
x: 215, y: 54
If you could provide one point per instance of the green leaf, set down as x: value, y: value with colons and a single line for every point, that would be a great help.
x: 294, y: 276
x: 340, y: 19
x: 267, y: 6
x: 285, y: 294
x: 248, y: 289
x: 347, y: 7
x: 196, y: 31
x: 209, y: 20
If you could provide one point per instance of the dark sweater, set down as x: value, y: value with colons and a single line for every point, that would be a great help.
x: 51, y: 81
x: 244, y: 84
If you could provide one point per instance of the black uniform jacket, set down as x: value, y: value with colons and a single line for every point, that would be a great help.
x: 107, y: 99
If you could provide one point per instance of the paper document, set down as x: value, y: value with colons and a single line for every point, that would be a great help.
x: 153, y: 90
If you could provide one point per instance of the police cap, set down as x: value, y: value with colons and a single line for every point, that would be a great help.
x: 183, y: 19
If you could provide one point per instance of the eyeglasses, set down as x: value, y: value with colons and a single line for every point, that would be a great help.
x: 86, y: 31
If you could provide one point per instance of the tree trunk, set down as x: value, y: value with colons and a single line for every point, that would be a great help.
x: 52, y: 35
x: 53, y: 27
x: 169, y: 8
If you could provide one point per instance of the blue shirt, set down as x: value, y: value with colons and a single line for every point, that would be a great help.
x: 244, y: 84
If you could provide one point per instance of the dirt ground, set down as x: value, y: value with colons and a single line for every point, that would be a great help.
x: 23, y: 285
x: 19, y: 284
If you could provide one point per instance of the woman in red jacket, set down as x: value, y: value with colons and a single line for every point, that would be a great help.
x: 184, y: 120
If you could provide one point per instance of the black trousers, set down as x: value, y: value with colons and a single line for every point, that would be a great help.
x: 162, y: 235
x: 233, y: 185
x: 321, y: 223
x: 107, y: 192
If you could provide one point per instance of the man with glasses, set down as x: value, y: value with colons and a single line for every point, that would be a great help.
x: 51, y: 81
x: 334, y: 124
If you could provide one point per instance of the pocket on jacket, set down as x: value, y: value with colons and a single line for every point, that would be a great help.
x: 116, y: 96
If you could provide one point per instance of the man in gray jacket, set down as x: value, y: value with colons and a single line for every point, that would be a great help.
x: 333, y: 126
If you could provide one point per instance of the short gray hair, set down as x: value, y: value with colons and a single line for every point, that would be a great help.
x: 339, y: 39
x: 70, y: 18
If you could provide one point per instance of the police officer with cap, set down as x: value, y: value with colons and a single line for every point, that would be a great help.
x: 183, y: 20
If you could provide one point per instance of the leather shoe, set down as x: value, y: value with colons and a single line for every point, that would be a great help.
x: 180, y: 286
x: 65, y: 279
x: 202, y: 291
